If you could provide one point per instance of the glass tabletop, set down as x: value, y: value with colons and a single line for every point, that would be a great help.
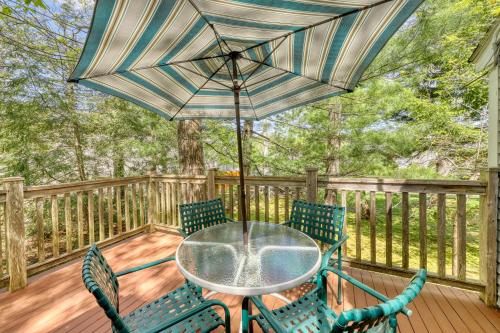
x: 277, y: 258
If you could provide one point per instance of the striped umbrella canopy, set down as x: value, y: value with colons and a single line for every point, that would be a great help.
x: 249, y: 59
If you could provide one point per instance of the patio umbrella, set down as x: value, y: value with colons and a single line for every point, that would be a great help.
x: 233, y: 59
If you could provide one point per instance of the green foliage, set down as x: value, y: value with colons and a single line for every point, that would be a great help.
x: 420, y: 111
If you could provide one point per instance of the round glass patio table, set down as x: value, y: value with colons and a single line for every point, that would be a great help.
x: 277, y: 258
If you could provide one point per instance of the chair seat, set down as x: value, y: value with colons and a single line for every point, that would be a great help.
x: 171, y: 305
x: 307, y: 314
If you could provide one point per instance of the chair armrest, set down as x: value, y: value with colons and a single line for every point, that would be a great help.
x: 141, y: 267
x: 328, y: 254
x: 181, y: 232
x: 275, y: 324
x: 205, y: 305
x: 362, y: 286
x: 230, y: 219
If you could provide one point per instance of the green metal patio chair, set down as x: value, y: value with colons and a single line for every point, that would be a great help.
x: 323, y: 223
x: 198, y: 215
x: 311, y: 313
x: 181, y: 310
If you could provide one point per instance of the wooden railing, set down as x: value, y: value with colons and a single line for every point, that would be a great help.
x: 395, y: 226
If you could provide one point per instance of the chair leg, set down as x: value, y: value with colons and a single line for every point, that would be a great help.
x: 339, y: 281
x: 246, y: 323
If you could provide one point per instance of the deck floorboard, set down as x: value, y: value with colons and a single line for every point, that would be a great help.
x: 56, y: 301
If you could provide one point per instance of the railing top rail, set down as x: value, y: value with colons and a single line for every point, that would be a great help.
x: 47, y: 190
x: 263, y: 180
x: 394, y: 181
x: 174, y: 176
x: 404, y: 185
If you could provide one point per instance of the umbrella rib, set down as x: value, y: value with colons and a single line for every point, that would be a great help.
x: 216, y: 33
x: 262, y: 63
x: 293, y: 73
x: 354, y: 11
x: 210, y: 25
x: 209, y: 78
x: 248, y: 94
x: 201, y: 87
x: 146, y: 67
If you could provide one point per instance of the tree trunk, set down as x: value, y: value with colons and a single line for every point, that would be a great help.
x: 191, y: 159
x: 79, y: 151
x: 247, y: 147
x: 118, y: 163
x: 333, y: 146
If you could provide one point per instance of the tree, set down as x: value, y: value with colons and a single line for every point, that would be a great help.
x: 191, y: 157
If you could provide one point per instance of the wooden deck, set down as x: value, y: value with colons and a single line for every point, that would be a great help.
x: 56, y: 301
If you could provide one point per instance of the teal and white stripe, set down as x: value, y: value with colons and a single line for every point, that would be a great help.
x: 160, y: 53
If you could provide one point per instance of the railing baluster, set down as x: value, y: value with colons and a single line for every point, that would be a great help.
x: 257, y: 202
x: 110, y: 213
x: 388, y: 229
x: 373, y: 228
x: 441, y: 234
x: 276, y: 204
x: 141, y: 203
x: 247, y: 201
x: 40, y: 230
x: 102, y: 233
x: 231, y: 202
x: 459, y: 239
x: 168, y: 204
x: 79, y: 208
x: 134, y: 206
x: 223, y: 195
x: 358, y: 225
x: 55, y: 226
x: 297, y: 193
x: 176, y: 205
x: 90, y: 206
x: 68, y: 222
x: 2, y: 224
x: 422, y: 218
x: 238, y: 200
x: 119, y: 217
x: 344, y: 226
x: 163, y: 204
x: 127, y: 207
x: 405, y: 220
x: 287, y: 203
x: 266, y: 203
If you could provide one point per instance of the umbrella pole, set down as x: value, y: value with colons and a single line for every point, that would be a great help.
x: 236, y: 90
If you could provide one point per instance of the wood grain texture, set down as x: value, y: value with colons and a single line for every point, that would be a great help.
x: 441, y: 235
x: 70, y: 308
x: 388, y: 229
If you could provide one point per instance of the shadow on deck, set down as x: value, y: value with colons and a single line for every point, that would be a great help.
x: 57, y: 301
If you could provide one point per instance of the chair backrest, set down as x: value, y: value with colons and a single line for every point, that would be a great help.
x: 321, y: 222
x: 100, y: 280
x: 198, y: 215
x: 380, y: 318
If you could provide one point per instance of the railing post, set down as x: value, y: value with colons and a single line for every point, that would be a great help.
x: 312, y: 183
x: 152, y: 188
x: 211, y: 194
x: 15, y: 233
x: 488, y: 236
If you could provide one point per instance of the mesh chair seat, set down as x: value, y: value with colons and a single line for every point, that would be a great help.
x: 310, y: 313
x: 307, y: 314
x: 183, y: 310
x: 173, y: 304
